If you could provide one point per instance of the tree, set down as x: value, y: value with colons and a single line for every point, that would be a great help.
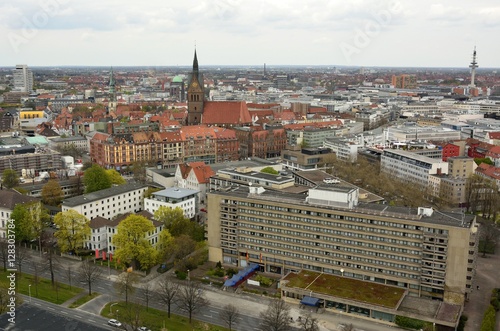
x: 178, y: 224
x: 125, y: 284
x: 21, y: 256
x: 89, y: 272
x: 132, y: 315
x: 269, y: 170
x: 308, y: 323
x: 115, y: 177
x: 10, y: 178
x: 3, y: 253
x: 132, y: 247
x: 51, y: 263
x: 52, y: 193
x: 95, y: 179
x: 73, y: 230
x: 180, y: 247
x: 276, y: 317
x: 228, y: 315
x: 191, y: 298
x: 139, y: 171
x: 167, y: 293
x: 488, y: 237
x: 31, y: 219
x: 147, y: 293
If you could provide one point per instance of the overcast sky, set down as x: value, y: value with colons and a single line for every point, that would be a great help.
x: 237, y: 32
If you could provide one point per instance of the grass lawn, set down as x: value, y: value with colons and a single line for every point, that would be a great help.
x: 348, y: 288
x: 155, y: 319
x: 84, y: 299
x: 44, y: 290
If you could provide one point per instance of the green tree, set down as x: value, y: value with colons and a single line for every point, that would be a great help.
x: 115, y: 177
x: 95, y: 178
x: 269, y: 170
x: 10, y: 178
x: 52, y: 193
x: 73, y: 229
x: 132, y: 247
x: 139, y: 171
x: 30, y: 220
x: 177, y: 224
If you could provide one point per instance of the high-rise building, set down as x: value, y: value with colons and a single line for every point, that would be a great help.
x: 473, y: 65
x: 23, y: 78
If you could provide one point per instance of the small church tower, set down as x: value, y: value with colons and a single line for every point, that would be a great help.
x: 112, y: 92
x: 195, y: 95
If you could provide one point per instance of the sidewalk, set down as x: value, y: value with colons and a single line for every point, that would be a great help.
x: 68, y: 302
x: 95, y: 305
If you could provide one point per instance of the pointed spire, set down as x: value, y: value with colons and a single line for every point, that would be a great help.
x: 195, y: 61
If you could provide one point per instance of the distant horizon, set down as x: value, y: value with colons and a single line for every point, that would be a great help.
x: 268, y: 66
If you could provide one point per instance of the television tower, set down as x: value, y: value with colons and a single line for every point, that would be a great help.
x: 473, y: 65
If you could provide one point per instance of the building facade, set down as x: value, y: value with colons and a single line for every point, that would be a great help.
x: 107, y: 203
x: 174, y: 197
x: 23, y: 78
x: 428, y: 253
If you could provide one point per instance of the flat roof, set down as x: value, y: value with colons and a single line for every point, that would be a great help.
x: 257, y: 174
x: 102, y: 194
x: 384, y: 210
x: 176, y: 192
x: 346, y: 288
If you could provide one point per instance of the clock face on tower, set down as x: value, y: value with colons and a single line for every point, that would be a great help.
x: 195, y: 84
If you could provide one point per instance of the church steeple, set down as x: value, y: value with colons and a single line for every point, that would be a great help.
x: 195, y: 62
x: 112, y: 91
x: 195, y: 94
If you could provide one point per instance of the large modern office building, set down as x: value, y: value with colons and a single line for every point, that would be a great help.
x: 428, y: 254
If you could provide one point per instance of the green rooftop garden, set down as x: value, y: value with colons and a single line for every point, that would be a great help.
x: 348, y: 288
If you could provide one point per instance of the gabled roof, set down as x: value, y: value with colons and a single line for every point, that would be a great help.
x: 494, y: 135
x: 225, y: 112
x: 10, y: 198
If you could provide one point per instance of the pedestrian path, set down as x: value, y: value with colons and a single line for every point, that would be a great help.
x: 68, y: 302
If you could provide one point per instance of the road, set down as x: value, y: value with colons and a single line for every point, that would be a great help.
x: 249, y: 305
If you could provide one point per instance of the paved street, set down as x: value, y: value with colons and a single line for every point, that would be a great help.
x: 249, y: 305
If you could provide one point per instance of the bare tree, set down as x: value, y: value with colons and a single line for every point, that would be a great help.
x: 147, y: 293
x: 228, y: 315
x: 38, y: 268
x: 68, y: 271
x: 308, y: 323
x: 167, y: 293
x: 276, y: 317
x: 89, y: 272
x: 488, y: 237
x: 125, y: 284
x: 4, y: 299
x: 132, y: 315
x: 3, y: 253
x: 52, y: 263
x: 21, y: 256
x: 191, y: 298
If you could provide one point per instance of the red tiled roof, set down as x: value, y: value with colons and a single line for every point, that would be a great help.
x: 197, y: 132
x: 225, y: 112
x: 494, y: 135
x: 225, y: 133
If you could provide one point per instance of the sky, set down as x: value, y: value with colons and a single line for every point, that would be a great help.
x: 391, y: 33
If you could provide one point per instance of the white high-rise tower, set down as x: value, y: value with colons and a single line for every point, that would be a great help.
x: 23, y: 78
x: 473, y: 65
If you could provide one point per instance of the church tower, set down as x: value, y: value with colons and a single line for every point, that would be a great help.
x: 195, y: 95
x: 112, y: 92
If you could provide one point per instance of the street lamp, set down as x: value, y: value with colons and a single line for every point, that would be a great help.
x: 342, y: 272
x: 188, y: 276
x: 29, y: 291
x: 110, y: 312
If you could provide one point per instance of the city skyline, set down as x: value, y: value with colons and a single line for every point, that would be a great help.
x: 234, y: 32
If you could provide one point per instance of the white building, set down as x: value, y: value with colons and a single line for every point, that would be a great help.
x: 411, y: 167
x: 8, y: 200
x: 174, y: 197
x: 343, y: 148
x: 108, y: 203
x: 194, y: 176
x: 103, y: 230
x: 23, y: 78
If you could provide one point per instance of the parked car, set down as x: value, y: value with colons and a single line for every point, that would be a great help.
x: 114, y: 323
x: 143, y: 328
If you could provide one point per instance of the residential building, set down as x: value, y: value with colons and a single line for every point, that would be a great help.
x: 8, y: 201
x: 404, y: 81
x: 81, y: 143
x: 343, y: 148
x: 23, y: 78
x: 194, y: 176
x: 174, y: 197
x: 103, y: 230
x: 248, y: 176
x: 107, y: 203
x: 426, y: 253
x: 26, y: 158
x: 489, y: 171
x: 411, y: 167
